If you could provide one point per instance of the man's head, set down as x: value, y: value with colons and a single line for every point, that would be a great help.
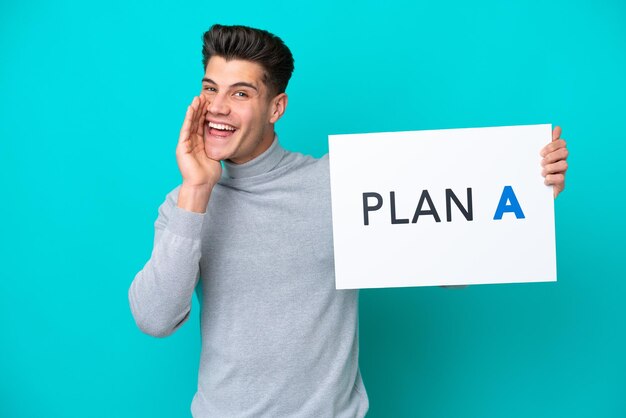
x: 250, y: 44
x: 246, y: 73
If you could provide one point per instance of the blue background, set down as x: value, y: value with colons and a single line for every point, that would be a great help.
x: 92, y: 96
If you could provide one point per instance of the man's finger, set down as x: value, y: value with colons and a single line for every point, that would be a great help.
x: 194, y: 116
x: 553, y: 146
x: 560, y: 167
x: 556, y: 133
x: 555, y: 180
x: 184, y: 130
x: 201, y: 115
x: 559, y: 154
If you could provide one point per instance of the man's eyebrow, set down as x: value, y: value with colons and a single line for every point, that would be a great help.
x: 237, y: 84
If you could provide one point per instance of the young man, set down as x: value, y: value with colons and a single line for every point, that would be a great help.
x: 277, y: 338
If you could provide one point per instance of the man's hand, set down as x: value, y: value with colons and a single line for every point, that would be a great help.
x: 554, y: 162
x: 196, y: 168
x: 200, y: 173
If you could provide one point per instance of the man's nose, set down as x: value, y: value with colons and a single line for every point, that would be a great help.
x: 218, y: 104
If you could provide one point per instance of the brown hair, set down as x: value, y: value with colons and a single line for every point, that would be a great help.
x: 250, y: 44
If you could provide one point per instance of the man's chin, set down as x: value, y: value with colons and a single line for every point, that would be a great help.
x: 217, y: 154
x: 217, y: 149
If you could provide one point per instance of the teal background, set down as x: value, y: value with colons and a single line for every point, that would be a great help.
x: 92, y: 96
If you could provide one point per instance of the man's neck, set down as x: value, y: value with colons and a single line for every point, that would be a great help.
x: 261, y: 164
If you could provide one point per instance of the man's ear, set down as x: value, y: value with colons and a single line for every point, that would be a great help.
x: 278, y: 107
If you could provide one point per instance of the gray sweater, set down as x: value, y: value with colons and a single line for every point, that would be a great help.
x: 278, y: 340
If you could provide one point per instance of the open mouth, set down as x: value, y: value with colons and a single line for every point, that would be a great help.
x: 220, y: 129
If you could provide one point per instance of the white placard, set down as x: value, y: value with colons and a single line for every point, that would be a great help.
x: 402, y: 216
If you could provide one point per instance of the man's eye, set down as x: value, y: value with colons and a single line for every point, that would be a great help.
x: 209, y: 88
x: 241, y: 94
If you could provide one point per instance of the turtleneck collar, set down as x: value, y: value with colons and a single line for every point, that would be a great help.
x: 264, y: 163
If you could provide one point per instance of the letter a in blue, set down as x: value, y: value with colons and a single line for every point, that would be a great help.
x: 508, y: 195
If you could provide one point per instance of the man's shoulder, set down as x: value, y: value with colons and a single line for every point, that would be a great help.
x: 311, y: 174
x: 300, y: 161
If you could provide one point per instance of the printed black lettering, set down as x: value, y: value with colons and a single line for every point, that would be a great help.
x: 425, y: 197
x: 367, y: 208
x: 392, y: 201
x: 451, y: 196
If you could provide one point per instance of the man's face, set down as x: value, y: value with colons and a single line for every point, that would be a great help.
x: 240, y: 114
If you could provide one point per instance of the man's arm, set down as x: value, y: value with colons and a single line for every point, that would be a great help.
x: 161, y: 293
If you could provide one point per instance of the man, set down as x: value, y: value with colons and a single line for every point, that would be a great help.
x: 277, y: 338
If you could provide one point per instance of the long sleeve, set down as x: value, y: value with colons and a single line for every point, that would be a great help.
x: 161, y: 293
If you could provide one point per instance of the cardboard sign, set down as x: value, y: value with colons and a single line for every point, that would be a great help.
x: 441, y: 207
